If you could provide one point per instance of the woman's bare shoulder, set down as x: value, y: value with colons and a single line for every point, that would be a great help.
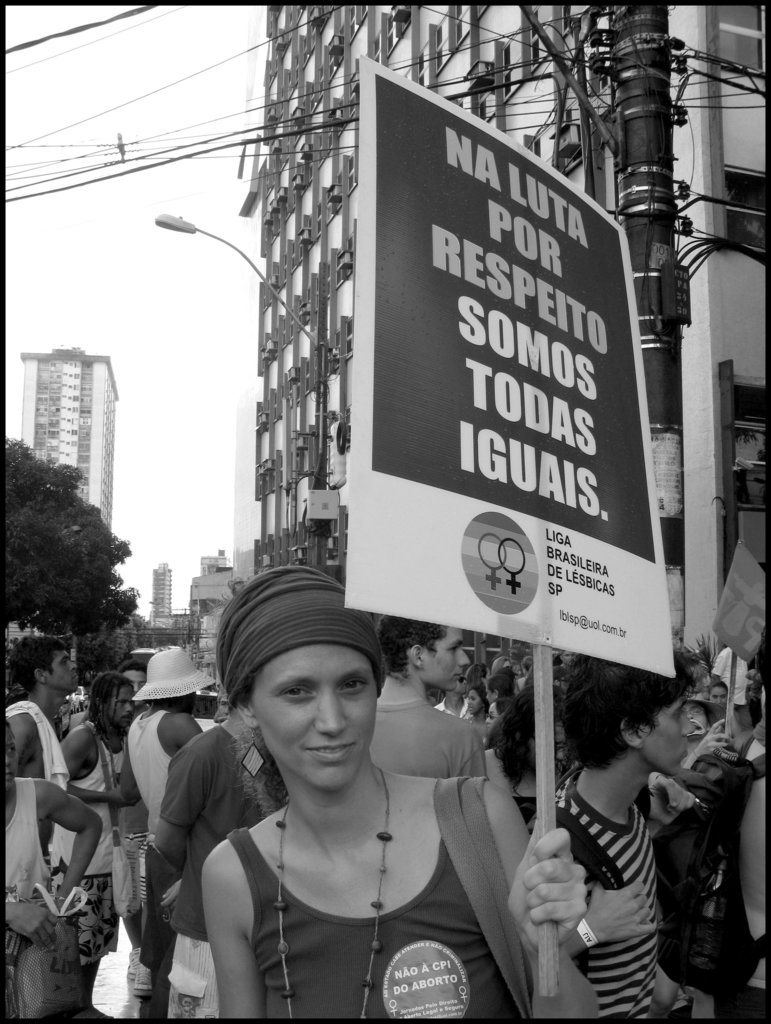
x: 411, y: 791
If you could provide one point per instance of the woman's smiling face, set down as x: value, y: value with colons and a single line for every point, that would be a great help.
x: 316, y: 708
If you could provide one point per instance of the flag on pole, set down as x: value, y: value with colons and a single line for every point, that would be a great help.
x: 741, y: 614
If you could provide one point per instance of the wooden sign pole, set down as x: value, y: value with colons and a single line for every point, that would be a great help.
x: 548, y: 952
x: 729, y: 703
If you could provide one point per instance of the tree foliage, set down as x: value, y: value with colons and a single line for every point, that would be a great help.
x: 106, y: 649
x: 61, y: 558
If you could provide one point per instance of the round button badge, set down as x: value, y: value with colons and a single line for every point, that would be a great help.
x: 425, y: 979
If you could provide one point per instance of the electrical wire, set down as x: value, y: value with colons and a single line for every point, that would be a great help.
x: 468, y: 92
x: 289, y: 31
x: 210, y: 153
x: 304, y: 131
x: 92, y: 42
x: 80, y: 28
x: 130, y: 170
x: 137, y: 99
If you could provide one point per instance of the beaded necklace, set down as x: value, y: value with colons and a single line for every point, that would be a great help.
x: 281, y: 906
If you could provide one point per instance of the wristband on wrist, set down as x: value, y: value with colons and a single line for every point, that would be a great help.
x: 586, y: 933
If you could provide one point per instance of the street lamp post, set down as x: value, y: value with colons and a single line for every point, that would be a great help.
x: 165, y: 220
x: 318, y: 346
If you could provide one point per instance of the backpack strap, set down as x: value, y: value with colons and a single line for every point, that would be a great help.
x: 584, y: 847
x: 108, y: 773
x: 588, y: 852
x: 470, y: 843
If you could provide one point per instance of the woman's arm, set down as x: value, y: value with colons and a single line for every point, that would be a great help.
x: 546, y: 885
x: 227, y: 904
x: 55, y: 805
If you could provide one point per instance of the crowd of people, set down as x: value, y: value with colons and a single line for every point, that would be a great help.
x: 358, y: 834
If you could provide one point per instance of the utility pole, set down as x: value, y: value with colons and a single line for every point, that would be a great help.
x: 640, y: 69
x: 317, y: 547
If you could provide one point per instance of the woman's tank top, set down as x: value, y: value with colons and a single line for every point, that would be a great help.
x: 427, y: 942
x: 24, y: 864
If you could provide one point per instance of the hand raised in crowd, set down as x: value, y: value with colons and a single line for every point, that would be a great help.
x: 716, y: 736
x: 668, y: 798
x: 34, y: 922
x: 548, y: 886
x: 618, y: 915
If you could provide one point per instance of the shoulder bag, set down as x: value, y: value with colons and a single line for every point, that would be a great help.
x: 124, y: 895
x: 42, y: 982
x: 470, y: 843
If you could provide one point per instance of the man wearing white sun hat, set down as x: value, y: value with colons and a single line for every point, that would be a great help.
x: 154, y: 737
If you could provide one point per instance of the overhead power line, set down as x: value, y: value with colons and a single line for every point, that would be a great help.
x: 280, y: 128
x: 80, y: 28
x: 136, y: 99
x: 92, y: 42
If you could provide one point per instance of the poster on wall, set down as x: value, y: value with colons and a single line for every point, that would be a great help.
x: 501, y: 470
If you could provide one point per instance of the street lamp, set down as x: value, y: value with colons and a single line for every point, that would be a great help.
x: 165, y: 220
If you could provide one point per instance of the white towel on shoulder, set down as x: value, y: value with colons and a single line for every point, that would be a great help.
x: 53, y: 759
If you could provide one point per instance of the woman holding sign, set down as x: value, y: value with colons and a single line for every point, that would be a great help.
x: 356, y: 898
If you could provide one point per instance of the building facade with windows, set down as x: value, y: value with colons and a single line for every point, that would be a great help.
x: 68, y: 417
x: 301, y: 201
x: 160, y: 613
x: 214, y: 563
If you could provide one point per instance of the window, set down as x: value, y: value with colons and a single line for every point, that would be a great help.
x: 350, y: 166
x: 743, y: 34
x: 318, y: 88
x: 353, y: 22
x: 506, y: 68
x: 439, y: 44
x: 530, y: 44
x: 455, y: 13
x: 750, y: 445
x: 422, y: 64
x: 344, y: 263
x: 335, y: 54
x: 746, y: 226
x: 398, y: 20
x: 347, y: 322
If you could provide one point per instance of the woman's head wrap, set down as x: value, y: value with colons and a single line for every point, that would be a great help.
x: 283, y: 609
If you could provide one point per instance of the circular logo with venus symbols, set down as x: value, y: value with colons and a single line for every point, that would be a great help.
x: 499, y: 563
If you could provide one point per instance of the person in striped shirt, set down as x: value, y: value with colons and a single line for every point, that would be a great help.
x: 624, y: 727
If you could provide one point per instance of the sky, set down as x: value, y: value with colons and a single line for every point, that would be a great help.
x: 88, y: 268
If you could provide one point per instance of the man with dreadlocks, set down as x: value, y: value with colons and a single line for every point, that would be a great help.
x: 94, y: 755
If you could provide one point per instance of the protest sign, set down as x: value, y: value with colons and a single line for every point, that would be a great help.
x: 741, y: 614
x: 501, y: 471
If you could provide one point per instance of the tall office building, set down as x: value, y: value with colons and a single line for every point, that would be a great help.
x: 302, y: 205
x: 161, y: 609
x: 68, y: 417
